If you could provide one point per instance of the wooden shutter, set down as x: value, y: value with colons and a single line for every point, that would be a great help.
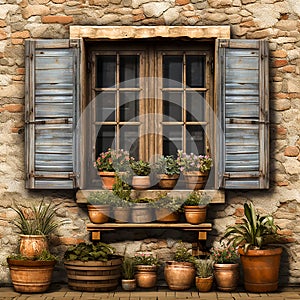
x: 51, y: 107
x: 243, y: 94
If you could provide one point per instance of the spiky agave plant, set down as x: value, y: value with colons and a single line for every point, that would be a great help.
x: 254, y: 232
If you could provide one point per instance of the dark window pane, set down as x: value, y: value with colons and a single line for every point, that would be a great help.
x: 129, y: 139
x: 129, y: 106
x: 105, y: 107
x: 106, y: 71
x: 195, y: 107
x: 172, y: 139
x: 195, y: 139
x: 105, y: 138
x: 129, y: 70
x: 172, y: 106
x: 195, y: 66
x: 172, y: 71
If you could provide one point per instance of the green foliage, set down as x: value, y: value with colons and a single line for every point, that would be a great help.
x: 128, y: 268
x: 37, y: 219
x: 197, y: 198
x: 105, y: 197
x: 44, y: 256
x: 122, y: 190
x: 140, y: 167
x: 224, y: 254
x: 90, y: 252
x: 171, y: 203
x: 254, y: 231
x: 204, y: 267
x: 146, y: 258
x: 167, y: 165
x: 182, y: 254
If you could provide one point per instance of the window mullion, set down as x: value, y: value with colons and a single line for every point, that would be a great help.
x: 117, y: 91
x: 184, y: 103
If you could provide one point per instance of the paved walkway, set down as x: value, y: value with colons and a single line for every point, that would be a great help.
x: 61, y: 292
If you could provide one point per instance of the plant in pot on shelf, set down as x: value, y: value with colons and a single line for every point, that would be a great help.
x: 141, y: 178
x: 146, y: 265
x: 195, y: 169
x: 226, y: 267
x: 259, y: 258
x: 92, y: 267
x: 180, y: 272
x: 195, y: 207
x: 142, y: 210
x: 35, y: 224
x: 204, y: 274
x: 168, y: 171
x: 31, y: 275
x: 128, y: 272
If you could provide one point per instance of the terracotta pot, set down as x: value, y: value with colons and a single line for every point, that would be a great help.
x: 261, y: 269
x: 195, y: 214
x: 94, y: 276
x: 141, y: 182
x: 30, y: 276
x: 146, y: 276
x: 195, y: 180
x: 122, y: 214
x: 98, y: 214
x: 141, y: 213
x: 179, y: 275
x: 108, y: 179
x: 165, y: 215
x: 128, y: 284
x: 204, y: 284
x: 167, y: 181
x: 227, y: 276
x: 32, y: 246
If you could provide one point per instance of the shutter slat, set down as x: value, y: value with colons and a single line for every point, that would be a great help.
x: 51, y: 107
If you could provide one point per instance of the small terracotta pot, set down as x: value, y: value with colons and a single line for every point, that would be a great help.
x: 195, y: 180
x: 98, y: 214
x: 204, y: 284
x: 141, y: 213
x: 32, y: 246
x: 195, y: 214
x: 167, y: 181
x: 108, y: 179
x: 128, y: 284
x: 165, y: 215
x: 141, y: 182
x: 146, y: 276
x: 226, y: 276
x: 122, y: 214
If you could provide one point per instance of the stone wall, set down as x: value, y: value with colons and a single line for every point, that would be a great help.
x: 278, y: 21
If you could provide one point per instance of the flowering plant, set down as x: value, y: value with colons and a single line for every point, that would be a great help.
x: 193, y: 162
x: 113, y: 160
x: 145, y: 258
x: 224, y: 254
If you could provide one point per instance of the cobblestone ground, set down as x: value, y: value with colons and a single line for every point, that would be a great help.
x: 58, y: 292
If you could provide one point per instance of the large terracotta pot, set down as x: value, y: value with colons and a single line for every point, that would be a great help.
x: 195, y: 214
x: 204, y: 284
x: 195, y: 180
x: 166, y: 215
x: 226, y: 276
x: 146, y: 276
x: 167, y: 181
x: 108, y: 179
x: 261, y: 269
x: 32, y: 246
x: 179, y: 275
x: 30, y: 276
x: 98, y: 214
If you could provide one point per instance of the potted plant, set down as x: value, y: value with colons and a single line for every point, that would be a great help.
x: 195, y: 169
x: 260, y: 261
x: 141, y: 179
x: 128, y: 271
x: 92, y: 267
x: 204, y: 274
x: 226, y: 267
x: 180, y: 272
x: 195, y: 207
x: 142, y: 210
x: 31, y: 275
x: 146, y: 265
x: 168, y: 171
x: 99, y: 205
x: 35, y: 223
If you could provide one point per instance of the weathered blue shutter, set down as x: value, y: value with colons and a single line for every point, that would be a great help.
x: 244, y: 114
x: 51, y: 107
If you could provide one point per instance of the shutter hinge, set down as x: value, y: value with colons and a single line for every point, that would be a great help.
x: 241, y: 121
x: 224, y: 43
x: 54, y: 121
x: 54, y: 176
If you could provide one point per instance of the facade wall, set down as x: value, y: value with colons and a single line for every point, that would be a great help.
x: 278, y: 21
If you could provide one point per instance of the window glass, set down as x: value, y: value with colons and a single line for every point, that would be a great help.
x: 129, y: 70
x: 195, y: 70
x: 106, y: 71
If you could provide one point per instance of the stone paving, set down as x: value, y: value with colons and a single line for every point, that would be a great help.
x: 62, y: 292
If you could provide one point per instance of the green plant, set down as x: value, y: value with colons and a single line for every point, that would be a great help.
x: 182, y: 254
x: 101, y: 198
x: 128, y: 268
x: 140, y: 167
x: 224, y: 254
x: 204, y: 267
x: 167, y: 165
x: 37, y: 220
x: 121, y: 189
x: 193, y: 162
x: 196, y: 198
x: 171, y: 203
x: 254, y: 232
x: 145, y: 258
x: 44, y: 256
x: 88, y: 252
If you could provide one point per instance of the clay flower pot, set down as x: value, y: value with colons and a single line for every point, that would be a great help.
x: 128, y: 284
x: 141, y: 182
x: 167, y: 181
x: 32, y: 246
x: 98, y: 214
x: 146, y: 276
x: 195, y: 180
x: 204, y: 284
x: 166, y: 215
x: 108, y: 179
x: 195, y: 214
x: 226, y: 276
